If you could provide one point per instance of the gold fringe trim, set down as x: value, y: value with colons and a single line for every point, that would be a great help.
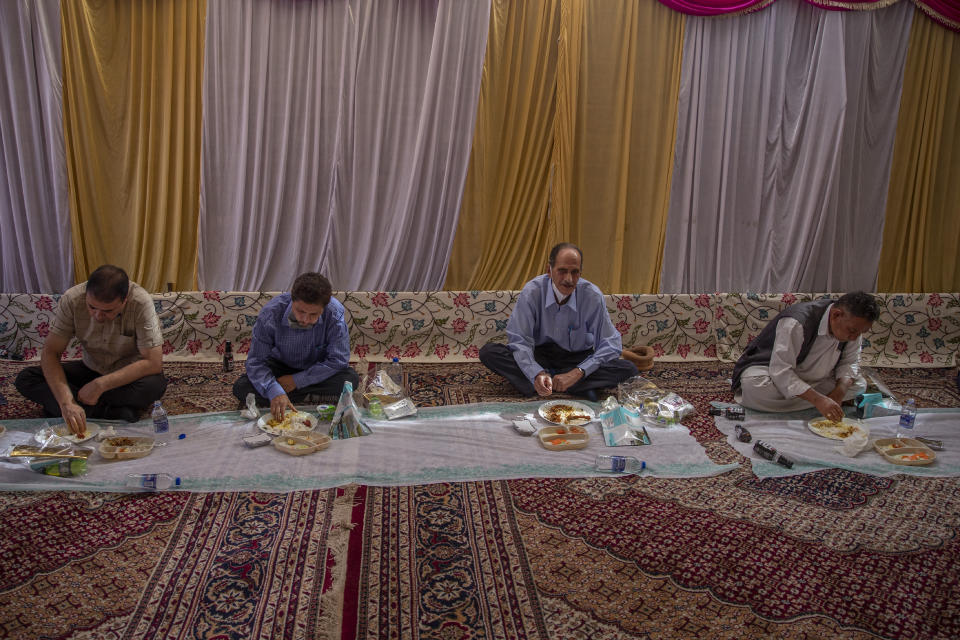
x: 953, y: 25
x: 751, y: 9
x: 946, y: 22
x: 855, y: 6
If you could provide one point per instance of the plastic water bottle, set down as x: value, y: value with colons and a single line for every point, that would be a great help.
x: 395, y: 372
x: 60, y: 467
x: 619, y: 464
x: 908, y: 417
x: 152, y: 481
x: 160, y: 422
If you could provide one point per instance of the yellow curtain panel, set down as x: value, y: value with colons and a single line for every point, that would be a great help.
x: 921, y: 233
x: 505, y: 200
x: 624, y: 136
x: 132, y: 127
x: 574, y: 141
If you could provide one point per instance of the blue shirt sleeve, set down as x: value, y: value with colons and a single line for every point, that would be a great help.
x: 608, y: 342
x: 523, y: 331
x: 262, y: 344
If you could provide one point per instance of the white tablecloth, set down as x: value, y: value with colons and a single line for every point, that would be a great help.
x: 442, y: 444
x: 811, y: 452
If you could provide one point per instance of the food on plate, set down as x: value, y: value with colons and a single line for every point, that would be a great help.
x: 835, y: 430
x: 64, y: 432
x: 121, y: 442
x: 566, y: 414
x: 919, y: 455
x: 292, y: 421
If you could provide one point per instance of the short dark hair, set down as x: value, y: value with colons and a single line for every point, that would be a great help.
x: 312, y: 288
x: 108, y: 283
x: 560, y: 247
x: 860, y: 304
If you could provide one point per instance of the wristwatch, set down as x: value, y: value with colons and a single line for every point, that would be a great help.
x: 584, y: 373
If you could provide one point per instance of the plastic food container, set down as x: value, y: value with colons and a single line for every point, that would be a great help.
x: 126, y: 447
x: 560, y: 438
x: 301, y: 443
x: 906, y: 451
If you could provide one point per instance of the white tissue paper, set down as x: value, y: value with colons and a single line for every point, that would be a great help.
x: 251, y: 412
x: 856, y: 442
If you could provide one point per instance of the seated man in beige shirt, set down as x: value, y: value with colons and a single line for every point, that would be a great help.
x: 121, y: 373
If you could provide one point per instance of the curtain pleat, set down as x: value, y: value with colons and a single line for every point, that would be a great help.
x: 132, y: 107
x: 502, y: 233
x: 36, y: 252
x: 921, y: 236
x: 574, y: 139
x: 624, y: 141
x: 787, y: 122
x: 336, y: 139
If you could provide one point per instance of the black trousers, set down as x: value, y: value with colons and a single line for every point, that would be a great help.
x: 115, y: 403
x: 332, y: 386
x: 555, y: 359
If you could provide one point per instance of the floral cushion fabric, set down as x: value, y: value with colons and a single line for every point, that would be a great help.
x: 921, y: 329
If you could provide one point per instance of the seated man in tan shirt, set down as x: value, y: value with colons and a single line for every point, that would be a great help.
x: 121, y: 373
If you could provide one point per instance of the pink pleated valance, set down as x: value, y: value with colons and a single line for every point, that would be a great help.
x: 946, y: 12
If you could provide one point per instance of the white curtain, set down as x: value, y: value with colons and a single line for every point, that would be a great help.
x: 785, y: 136
x: 336, y: 138
x: 36, y: 254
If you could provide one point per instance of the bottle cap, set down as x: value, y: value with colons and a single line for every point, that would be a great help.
x: 176, y: 482
x: 181, y: 436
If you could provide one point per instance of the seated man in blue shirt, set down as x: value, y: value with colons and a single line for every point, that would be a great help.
x: 300, y: 348
x: 559, y: 336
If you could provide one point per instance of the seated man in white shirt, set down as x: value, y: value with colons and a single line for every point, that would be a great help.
x: 809, y: 355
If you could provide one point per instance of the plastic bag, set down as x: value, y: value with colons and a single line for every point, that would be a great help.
x: 401, y: 409
x: 622, y: 425
x: 382, y: 384
x: 658, y: 407
x: 347, y: 422
x: 251, y: 412
x: 54, y: 456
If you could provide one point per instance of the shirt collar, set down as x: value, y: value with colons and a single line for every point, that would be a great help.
x: 553, y: 294
x: 288, y: 319
x: 556, y: 292
x: 824, y: 329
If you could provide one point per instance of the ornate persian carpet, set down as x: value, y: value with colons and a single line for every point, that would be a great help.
x: 833, y: 554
